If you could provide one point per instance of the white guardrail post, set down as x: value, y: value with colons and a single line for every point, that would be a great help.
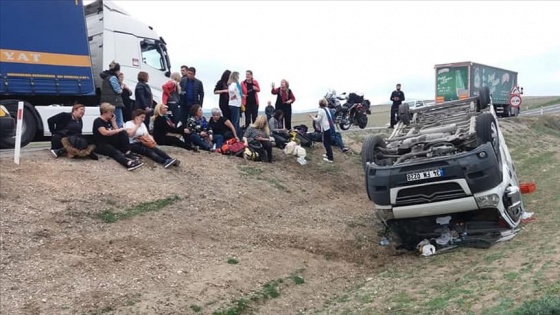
x: 17, y: 147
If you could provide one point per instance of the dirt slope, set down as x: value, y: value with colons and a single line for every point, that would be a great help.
x: 278, y: 221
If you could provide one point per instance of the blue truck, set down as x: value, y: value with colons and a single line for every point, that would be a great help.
x: 55, y: 61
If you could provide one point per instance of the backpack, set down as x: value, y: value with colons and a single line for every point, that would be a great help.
x: 251, y: 152
x: 300, y: 138
x: 233, y: 147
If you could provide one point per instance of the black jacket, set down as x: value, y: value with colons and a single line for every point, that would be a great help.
x: 58, y: 123
x: 400, y: 95
x: 143, y: 96
x: 108, y: 95
x: 197, y: 92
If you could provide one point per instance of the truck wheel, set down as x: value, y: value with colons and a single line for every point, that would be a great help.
x: 362, y: 121
x: 487, y: 131
x: 404, y: 114
x: 28, y: 128
x: 370, y: 150
x: 483, y: 98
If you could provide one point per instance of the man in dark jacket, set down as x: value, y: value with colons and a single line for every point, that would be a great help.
x: 192, y: 92
x: 397, y: 97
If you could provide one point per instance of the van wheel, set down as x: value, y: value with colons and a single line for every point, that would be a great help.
x: 28, y: 128
x: 370, y: 150
x: 404, y: 114
x: 487, y: 131
x: 483, y: 98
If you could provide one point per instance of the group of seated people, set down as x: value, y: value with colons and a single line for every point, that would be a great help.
x: 125, y: 145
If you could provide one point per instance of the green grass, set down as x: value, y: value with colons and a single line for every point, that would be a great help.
x: 232, y: 261
x: 250, y: 170
x: 538, y: 102
x: 109, y: 216
x: 269, y: 290
x: 195, y: 308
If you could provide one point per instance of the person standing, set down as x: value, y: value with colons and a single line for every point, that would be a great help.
x: 397, y: 97
x: 111, y: 91
x: 222, y: 90
x: 143, y: 94
x: 126, y: 93
x: 324, y: 118
x: 171, y: 95
x: 250, y: 88
x: 193, y: 93
x: 284, y: 100
x: 235, y: 97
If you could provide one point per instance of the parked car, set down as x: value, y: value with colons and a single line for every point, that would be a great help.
x: 414, y: 104
x: 445, y: 175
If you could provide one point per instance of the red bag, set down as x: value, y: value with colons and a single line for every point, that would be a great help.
x: 233, y: 147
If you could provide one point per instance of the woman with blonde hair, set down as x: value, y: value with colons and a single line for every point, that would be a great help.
x: 257, y: 136
x: 166, y: 132
x: 171, y: 95
x: 235, y: 98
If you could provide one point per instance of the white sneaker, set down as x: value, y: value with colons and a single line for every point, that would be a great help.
x: 324, y: 155
x: 327, y: 160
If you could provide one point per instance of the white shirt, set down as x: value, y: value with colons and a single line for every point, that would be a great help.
x: 233, y: 90
x: 323, y: 119
x: 142, y: 130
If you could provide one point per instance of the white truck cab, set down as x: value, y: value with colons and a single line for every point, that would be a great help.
x: 115, y: 35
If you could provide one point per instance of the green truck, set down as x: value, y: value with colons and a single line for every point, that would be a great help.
x: 461, y: 80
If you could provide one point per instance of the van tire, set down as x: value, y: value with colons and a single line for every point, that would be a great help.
x: 370, y: 149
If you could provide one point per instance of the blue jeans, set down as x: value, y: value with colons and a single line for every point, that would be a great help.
x: 218, y: 140
x: 198, y: 141
x: 119, y: 116
x: 337, y: 139
x: 327, y: 134
x: 235, y: 114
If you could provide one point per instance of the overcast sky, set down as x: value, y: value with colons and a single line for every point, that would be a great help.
x: 364, y: 46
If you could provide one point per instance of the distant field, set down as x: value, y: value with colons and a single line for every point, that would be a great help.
x: 380, y: 113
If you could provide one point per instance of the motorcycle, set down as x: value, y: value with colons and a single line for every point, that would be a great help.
x: 353, y: 112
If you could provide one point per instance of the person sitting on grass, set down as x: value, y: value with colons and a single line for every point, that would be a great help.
x: 111, y: 140
x: 141, y: 141
x: 222, y: 128
x: 258, y: 136
x: 198, y: 131
x: 279, y: 133
x: 67, y: 139
x: 165, y: 131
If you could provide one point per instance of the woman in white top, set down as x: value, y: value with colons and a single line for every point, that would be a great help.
x: 327, y: 127
x: 136, y: 129
x: 235, y: 97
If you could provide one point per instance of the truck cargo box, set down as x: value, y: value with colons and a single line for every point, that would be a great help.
x: 47, y: 52
x: 461, y: 80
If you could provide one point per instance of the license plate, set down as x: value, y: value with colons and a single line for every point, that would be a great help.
x: 424, y: 174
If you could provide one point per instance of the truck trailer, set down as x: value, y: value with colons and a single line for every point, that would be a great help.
x: 55, y: 61
x: 461, y: 80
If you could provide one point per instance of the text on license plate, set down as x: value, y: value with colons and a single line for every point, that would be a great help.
x: 424, y: 174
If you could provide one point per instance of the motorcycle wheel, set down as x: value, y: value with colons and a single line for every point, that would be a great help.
x: 362, y: 121
x: 345, y: 124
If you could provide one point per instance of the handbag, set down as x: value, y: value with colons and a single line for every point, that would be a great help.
x: 147, y: 141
